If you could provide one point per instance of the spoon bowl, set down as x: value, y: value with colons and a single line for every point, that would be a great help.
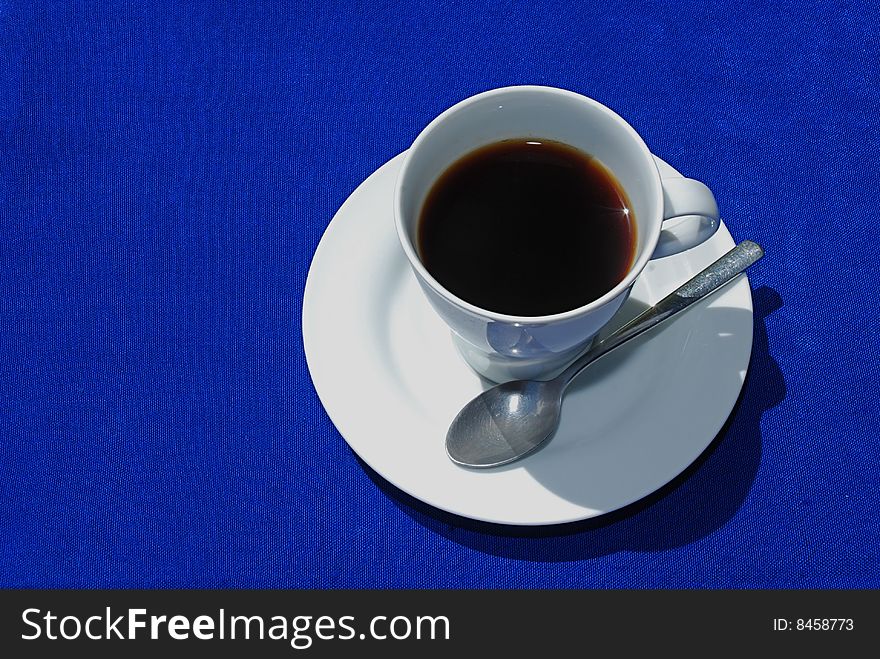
x: 505, y: 423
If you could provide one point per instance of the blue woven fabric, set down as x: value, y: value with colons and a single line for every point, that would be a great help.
x: 167, y: 170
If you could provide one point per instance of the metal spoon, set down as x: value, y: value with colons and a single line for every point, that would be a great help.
x: 511, y: 420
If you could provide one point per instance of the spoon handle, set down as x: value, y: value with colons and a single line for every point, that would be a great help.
x: 716, y: 275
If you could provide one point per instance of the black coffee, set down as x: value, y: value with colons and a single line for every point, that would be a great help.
x: 527, y: 227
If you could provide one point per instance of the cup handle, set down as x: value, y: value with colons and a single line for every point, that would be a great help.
x: 690, y: 216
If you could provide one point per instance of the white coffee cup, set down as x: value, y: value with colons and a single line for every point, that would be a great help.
x: 503, y: 347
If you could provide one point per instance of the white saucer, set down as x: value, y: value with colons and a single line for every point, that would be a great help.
x: 386, y: 369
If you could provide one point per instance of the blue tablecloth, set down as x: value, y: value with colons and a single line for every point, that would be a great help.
x: 167, y: 170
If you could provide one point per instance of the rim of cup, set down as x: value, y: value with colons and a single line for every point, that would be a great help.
x: 639, y: 263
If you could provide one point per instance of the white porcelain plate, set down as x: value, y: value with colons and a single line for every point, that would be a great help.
x: 385, y: 368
